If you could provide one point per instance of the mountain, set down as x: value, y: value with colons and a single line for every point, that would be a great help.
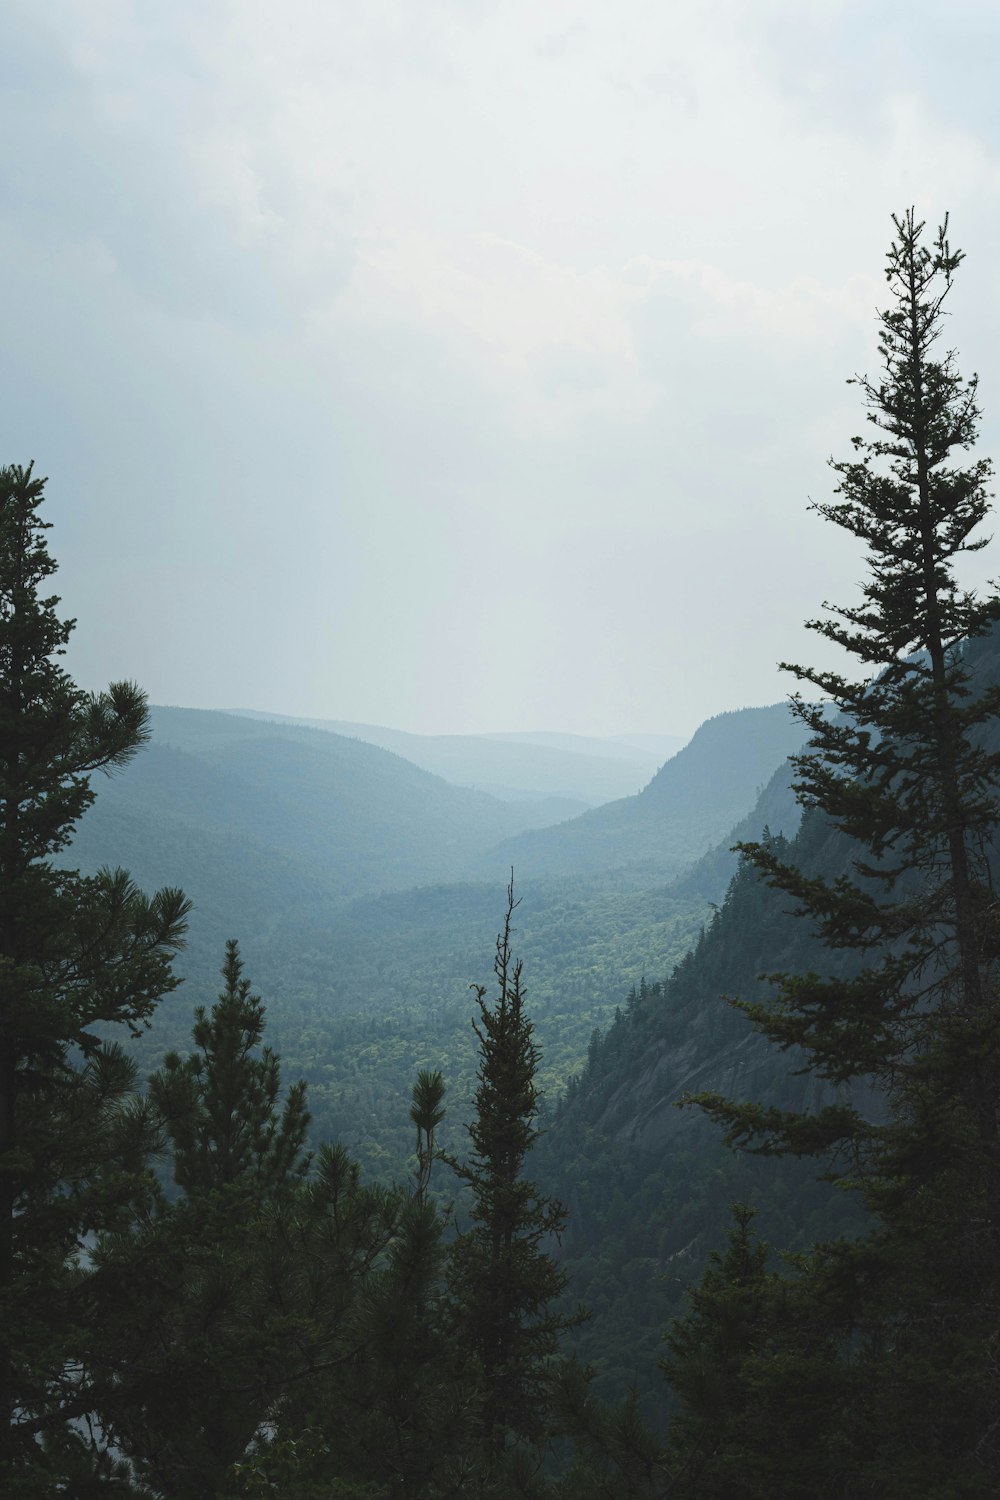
x: 663, y: 746
x: 689, y: 805
x: 512, y: 766
x: 270, y: 827
x: 649, y: 1185
x: 775, y: 811
x: 334, y: 863
x: 638, y: 749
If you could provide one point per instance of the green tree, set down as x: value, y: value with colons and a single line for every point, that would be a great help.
x: 908, y: 1010
x: 237, y: 1284
x: 752, y: 1361
x: 615, y: 1455
x: 391, y: 1411
x: 75, y: 955
x: 221, y: 1103
x: 501, y: 1275
x: 427, y: 1112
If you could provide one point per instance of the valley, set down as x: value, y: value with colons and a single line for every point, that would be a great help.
x: 365, y: 893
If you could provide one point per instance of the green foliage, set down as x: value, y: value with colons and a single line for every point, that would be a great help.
x: 753, y: 1354
x: 501, y: 1277
x: 381, y: 992
x: 393, y: 1406
x: 75, y: 954
x: 615, y: 1455
x: 648, y: 1186
x: 220, y: 1104
x: 244, y: 1285
x: 906, y: 771
x: 426, y: 1112
x: 370, y: 988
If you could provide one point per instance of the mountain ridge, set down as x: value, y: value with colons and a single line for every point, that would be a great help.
x: 507, y: 765
x: 692, y: 802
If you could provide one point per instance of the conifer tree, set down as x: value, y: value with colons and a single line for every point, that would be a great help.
x: 910, y: 1007
x: 501, y: 1276
x: 221, y: 1103
x: 753, y: 1361
x: 75, y: 955
x: 405, y: 1385
x: 225, y: 1312
x: 390, y: 1410
x: 426, y: 1112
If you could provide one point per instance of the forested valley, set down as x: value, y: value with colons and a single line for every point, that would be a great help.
x: 519, y: 1116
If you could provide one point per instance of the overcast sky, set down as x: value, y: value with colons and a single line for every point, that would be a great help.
x: 460, y: 365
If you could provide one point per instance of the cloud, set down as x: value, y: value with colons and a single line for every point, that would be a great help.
x: 375, y: 310
x: 554, y: 342
x: 803, y: 310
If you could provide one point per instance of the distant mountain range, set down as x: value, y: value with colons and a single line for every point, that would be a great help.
x: 365, y: 892
x: 268, y: 823
x: 588, y: 770
x: 270, y: 826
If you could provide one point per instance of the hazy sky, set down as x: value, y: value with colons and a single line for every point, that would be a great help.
x: 461, y: 365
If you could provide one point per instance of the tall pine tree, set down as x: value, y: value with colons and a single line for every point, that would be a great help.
x: 222, y: 1103
x: 75, y: 955
x: 225, y: 1309
x: 906, y: 765
x: 501, y: 1275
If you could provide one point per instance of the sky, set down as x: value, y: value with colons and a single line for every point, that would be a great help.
x: 467, y: 366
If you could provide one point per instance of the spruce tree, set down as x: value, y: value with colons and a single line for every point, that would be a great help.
x: 226, y: 1307
x: 221, y: 1104
x: 902, y: 760
x: 754, y: 1364
x: 501, y: 1275
x: 76, y: 954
